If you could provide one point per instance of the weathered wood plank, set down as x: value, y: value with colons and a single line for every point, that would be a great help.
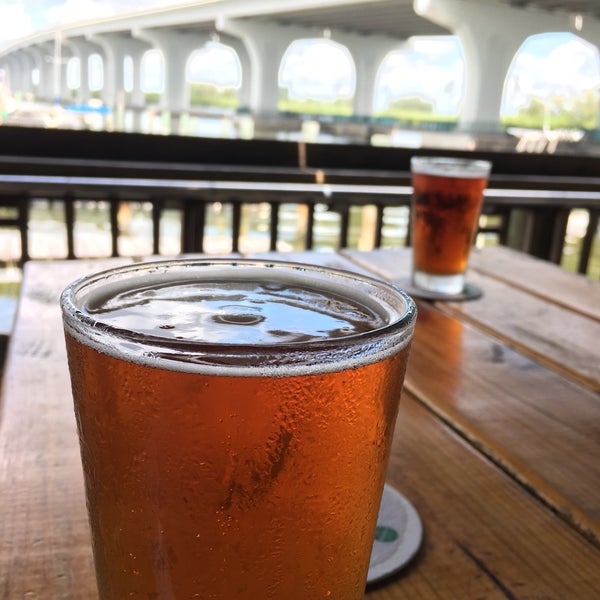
x: 539, y: 277
x: 390, y: 263
x: 561, y: 335
x: 567, y: 341
x: 540, y: 426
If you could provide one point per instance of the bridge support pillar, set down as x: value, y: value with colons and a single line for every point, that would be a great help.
x: 176, y: 47
x: 245, y: 92
x: 490, y: 35
x: 116, y: 47
x: 83, y: 49
x: 265, y: 45
x: 38, y: 55
x: 18, y: 73
x: 368, y: 54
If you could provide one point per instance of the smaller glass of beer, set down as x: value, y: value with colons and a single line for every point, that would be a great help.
x: 446, y: 202
x: 235, y: 420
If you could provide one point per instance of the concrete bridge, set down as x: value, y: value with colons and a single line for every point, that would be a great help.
x: 260, y: 32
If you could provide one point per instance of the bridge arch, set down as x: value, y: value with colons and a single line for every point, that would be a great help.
x: 553, y: 82
x: 423, y: 80
x: 95, y: 72
x: 214, y: 76
x: 317, y: 70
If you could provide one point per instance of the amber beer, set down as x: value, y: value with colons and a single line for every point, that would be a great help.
x: 447, y: 200
x: 235, y: 422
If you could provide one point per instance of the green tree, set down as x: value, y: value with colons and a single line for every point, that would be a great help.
x: 340, y: 107
x: 417, y: 111
x: 207, y: 94
x: 558, y: 112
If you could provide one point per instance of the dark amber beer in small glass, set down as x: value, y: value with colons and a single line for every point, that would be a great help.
x: 235, y: 421
x: 446, y: 203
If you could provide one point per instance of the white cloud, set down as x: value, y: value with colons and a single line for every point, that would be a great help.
x: 574, y: 64
x: 73, y: 11
x: 15, y: 22
x: 423, y: 71
x: 318, y: 69
x: 569, y: 68
x: 215, y: 63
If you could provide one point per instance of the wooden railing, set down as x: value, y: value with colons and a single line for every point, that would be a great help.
x: 527, y: 206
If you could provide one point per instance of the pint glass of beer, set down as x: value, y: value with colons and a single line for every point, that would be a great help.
x: 235, y: 421
x: 446, y: 202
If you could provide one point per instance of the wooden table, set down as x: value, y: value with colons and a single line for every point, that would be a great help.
x: 497, y: 443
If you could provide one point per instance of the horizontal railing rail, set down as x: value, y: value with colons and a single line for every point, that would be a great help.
x: 546, y: 212
x: 527, y: 205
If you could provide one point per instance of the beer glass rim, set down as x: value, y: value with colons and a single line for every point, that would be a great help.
x: 450, y: 166
x: 176, y: 354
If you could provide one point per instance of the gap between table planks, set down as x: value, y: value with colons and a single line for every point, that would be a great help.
x: 560, y: 334
x: 541, y: 278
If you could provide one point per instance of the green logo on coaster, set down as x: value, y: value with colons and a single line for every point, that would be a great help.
x: 385, y: 534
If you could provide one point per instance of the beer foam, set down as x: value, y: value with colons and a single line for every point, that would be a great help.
x: 450, y: 167
x: 250, y: 318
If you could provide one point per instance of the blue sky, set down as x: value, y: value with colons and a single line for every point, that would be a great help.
x: 22, y: 17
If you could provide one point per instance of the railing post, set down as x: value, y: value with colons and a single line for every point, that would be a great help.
x: 517, y: 229
x: 379, y: 226
x: 21, y: 204
x: 310, y: 226
x: 192, y: 226
x: 69, y: 201
x: 547, y: 233
x: 588, y: 241
x: 344, y: 211
x: 274, y: 225
x: 114, y: 224
x: 504, y: 214
x: 236, y: 224
x: 560, y: 219
x: 23, y: 218
x: 156, y: 214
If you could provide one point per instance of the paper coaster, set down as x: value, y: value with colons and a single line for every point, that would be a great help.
x: 470, y: 292
x: 398, y: 535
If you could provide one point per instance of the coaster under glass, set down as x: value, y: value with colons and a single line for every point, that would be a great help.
x: 397, y: 538
x: 469, y: 291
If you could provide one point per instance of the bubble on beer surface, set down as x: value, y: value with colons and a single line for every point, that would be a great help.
x: 240, y: 312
